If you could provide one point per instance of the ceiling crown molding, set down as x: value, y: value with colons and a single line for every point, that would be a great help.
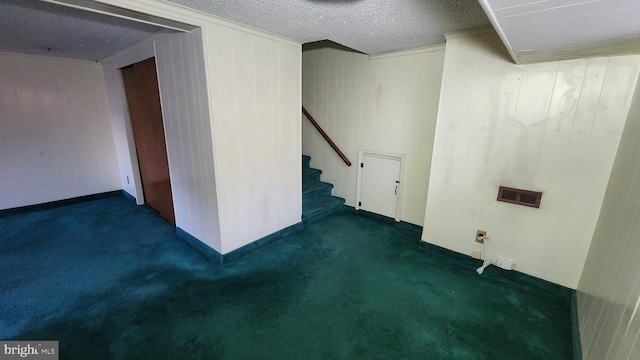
x: 422, y: 50
x: 469, y: 32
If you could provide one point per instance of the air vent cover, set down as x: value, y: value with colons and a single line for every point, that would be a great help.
x: 519, y: 196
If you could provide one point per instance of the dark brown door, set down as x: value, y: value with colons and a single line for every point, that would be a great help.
x: 143, y: 97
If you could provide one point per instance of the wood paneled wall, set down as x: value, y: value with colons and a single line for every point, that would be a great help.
x: 552, y: 127
x: 609, y: 289
x: 255, y: 95
x: 385, y: 102
x: 185, y: 108
x: 253, y: 81
x: 56, y: 139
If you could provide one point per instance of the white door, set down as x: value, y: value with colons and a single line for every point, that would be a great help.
x: 379, y: 184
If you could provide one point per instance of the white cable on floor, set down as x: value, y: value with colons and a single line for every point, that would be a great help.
x: 486, y: 262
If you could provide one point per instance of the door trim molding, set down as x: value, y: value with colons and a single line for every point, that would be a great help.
x: 385, y: 154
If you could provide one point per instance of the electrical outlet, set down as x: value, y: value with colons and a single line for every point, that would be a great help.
x: 480, y: 233
x: 476, y: 254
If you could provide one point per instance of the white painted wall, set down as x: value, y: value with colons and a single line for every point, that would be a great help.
x: 55, y: 136
x: 552, y: 127
x: 255, y: 87
x: 253, y: 81
x: 385, y: 102
x: 609, y: 289
x: 185, y: 107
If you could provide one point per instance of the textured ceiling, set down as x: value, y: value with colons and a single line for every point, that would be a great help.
x: 369, y: 26
x: 532, y: 30
x: 37, y: 28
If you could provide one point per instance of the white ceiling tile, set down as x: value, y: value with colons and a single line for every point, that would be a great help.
x: 625, y: 25
x: 541, y: 6
x: 504, y: 4
x: 539, y: 29
x: 565, y: 13
x: 598, y: 33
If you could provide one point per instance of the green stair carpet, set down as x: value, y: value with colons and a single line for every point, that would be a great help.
x: 317, y: 202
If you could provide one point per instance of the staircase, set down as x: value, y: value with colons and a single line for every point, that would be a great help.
x: 317, y: 201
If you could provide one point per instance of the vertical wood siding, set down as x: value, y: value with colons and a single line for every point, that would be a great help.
x: 231, y: 103
x: 185, y: 107
x: 552, y: 127
x: 609, y: 289
x: 255, y: 95
x: 56, y: 140
x: 388, y: 103
x: 185, y: 111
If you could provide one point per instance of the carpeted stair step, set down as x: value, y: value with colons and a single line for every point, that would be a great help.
x: 321, y: 208
x: 317, y: 201
x: 313, y: 190
x: 309, y: 174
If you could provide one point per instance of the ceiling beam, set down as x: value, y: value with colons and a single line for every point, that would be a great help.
x: 121, y: 12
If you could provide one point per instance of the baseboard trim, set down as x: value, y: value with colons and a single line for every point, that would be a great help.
x: 207, y: 251
x: 224, y: 259
x: 429, y: 248
x: 409, y: 227
x: 575, y: 328
x: 129, y: 196
x: 385, y: 219
x: 493, y: 272
x: 58, y: 203
x: 260, y: 243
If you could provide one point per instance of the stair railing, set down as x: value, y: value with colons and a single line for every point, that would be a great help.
x: 326, y: 137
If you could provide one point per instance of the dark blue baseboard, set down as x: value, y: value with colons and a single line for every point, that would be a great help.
x: 249, y: 248
x: 58, y: 203
x: 385, y: 219
x: 430, y: 248
x: 409, y: 227
x: 207, y: 251
x: 211, y: 254
x: 575, y: 328
x: 129, y: 196
x: 493, y: 272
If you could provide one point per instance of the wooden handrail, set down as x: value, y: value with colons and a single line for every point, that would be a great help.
x: 326, y: 137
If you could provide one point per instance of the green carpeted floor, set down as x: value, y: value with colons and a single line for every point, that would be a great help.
x: 110, y: 280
